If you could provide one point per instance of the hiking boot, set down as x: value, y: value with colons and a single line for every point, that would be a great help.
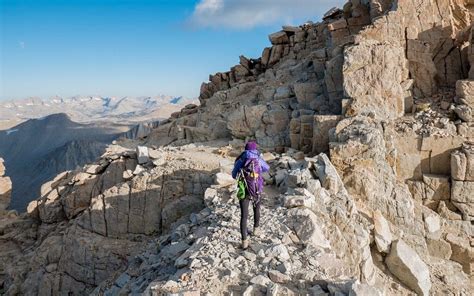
x: 256, y: 232
x: 245, y: 244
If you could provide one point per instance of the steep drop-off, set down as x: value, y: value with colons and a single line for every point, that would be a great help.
x: 37, y: 150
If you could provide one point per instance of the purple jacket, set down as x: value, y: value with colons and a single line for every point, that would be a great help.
x: 239, y: 163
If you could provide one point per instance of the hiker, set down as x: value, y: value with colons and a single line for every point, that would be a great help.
x: 248, y: 169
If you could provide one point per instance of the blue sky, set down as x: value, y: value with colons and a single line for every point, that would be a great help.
x: 133, y: 47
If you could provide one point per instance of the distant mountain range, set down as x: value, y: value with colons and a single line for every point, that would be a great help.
x: 85, y: 109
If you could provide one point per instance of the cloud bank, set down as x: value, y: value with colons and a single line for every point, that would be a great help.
x: 247, y: 14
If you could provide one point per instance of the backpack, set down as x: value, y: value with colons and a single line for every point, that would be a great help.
x: 251, y: 175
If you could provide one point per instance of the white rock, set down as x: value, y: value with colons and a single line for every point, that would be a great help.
x: 359, y: 289
x: 210, y: 196
x: 458, y: 165
x: 260, y: 280
x: 307, y: 228
x: 93, y: 169
x: 278, y: 251
x: 159, y: 161
x: 250, y: 256
x: 432, y: 223
x: 224, y: 179
x: 293, y: 201
x: 408, y: 267
x: 127, y: 175
x: 154, y: 154
x: 138, y: 170
x: 142, y: 154
x: 250, y: 291
x: 383, y: 235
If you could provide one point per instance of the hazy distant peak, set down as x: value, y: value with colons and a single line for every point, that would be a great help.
x: 126, y: 109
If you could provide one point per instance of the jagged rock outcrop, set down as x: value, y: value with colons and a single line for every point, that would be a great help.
x: 88, y: 221
x: 5, y: 188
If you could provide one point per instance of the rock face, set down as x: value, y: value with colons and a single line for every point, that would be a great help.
x: 93, y: 218
x: 5, y: 188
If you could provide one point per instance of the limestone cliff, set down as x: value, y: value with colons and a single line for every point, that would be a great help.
x: 366, y: 118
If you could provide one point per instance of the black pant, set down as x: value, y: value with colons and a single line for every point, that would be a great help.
x: 244, y: 214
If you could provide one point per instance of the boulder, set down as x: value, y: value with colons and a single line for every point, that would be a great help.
x: 5, y: 192
x: 32, y: 209
x: 223, y: 179
x: 462, y: 163
x: 142, y: 154
x: 439, y: 248
x: 446, y: 212
x: 278, y: 277
x: 137, y: 171
x: 308, y: 229
x: 328, y: 175
x: 383, y: 235
x: 2, y: 167
x: 337, y: 25
x: 436, y: 187
x: 464, y: 112
x: 432, y: 224
x: 458, y: 165
x: 462, y: 252
x: 293, y: 201
x: 463, y: 198
x: 283, y: 92
x: 279, y: 38
x: 408, y: 267
x: 465, y: 88
x: 50, y: 209
x: 278, y: 251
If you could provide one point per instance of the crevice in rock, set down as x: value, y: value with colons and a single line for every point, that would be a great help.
x: 102, y: 198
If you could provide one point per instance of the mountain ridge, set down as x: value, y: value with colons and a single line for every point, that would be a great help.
x: 92, y: 108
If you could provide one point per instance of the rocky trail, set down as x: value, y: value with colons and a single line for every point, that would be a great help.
x: 301, y: 250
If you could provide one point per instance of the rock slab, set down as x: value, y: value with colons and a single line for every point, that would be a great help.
x: 408, y: 267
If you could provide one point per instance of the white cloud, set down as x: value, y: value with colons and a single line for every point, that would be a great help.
x: 246, y: 14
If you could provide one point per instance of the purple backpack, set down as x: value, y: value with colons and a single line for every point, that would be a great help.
x: 252, y: 172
